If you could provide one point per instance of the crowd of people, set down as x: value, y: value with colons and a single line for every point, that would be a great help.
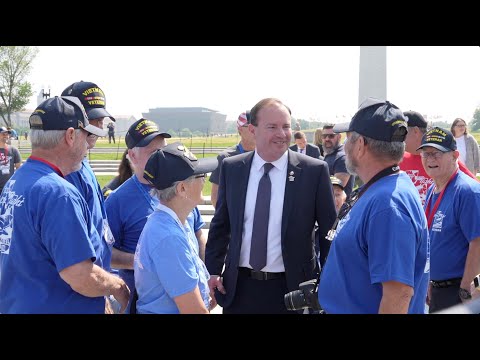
x: 287, y: 213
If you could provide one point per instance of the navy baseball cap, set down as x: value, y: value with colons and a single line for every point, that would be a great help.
x: 415, y: 119
x: 142, y: 132
x: 61, y: 113
x: 92, y: 98
x: 441, y: 139
x: 377, y: 119
x: 174, y: 163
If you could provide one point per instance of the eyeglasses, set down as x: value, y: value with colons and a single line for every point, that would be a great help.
x: 330, y: 136
x: 92, y: 136
x: 433, y: 155
x: 204, y: 176
x: 463, y: 125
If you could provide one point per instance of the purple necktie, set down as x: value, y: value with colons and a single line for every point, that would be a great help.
x: 258, y: 248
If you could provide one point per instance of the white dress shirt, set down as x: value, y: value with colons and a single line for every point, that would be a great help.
x: 278, y: 176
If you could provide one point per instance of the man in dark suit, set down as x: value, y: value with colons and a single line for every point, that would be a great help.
x: 303, y: 147
x: 301, y: 194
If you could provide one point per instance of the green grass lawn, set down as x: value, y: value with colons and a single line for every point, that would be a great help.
x: 211, y: 141
x: 116, y: 156
x: 103, y: 179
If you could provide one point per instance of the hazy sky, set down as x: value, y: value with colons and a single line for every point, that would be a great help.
x: 316, y: 82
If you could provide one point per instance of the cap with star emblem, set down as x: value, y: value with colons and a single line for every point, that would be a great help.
x: 174, y: 163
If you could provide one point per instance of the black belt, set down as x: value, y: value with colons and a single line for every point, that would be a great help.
x: 446, y: 283
x: 260, y: 275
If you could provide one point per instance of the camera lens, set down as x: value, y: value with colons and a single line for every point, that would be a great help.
x: 295, y: 300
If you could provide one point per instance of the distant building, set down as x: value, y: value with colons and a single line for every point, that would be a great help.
x: 200, y: 119
x: 20, y: 119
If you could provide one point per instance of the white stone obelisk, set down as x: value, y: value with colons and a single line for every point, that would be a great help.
x: 372, y: 73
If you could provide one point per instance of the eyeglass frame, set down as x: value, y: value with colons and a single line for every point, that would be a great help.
x: 204, y: 176
x: 431, y: 155
x: 330, y: 136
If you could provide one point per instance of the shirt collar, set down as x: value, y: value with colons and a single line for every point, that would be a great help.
x: 279, y: 164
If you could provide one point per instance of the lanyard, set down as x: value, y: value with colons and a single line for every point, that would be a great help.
x: 147, y: 196
x: 437, y: 202
x: 355, y: 195
x: 54, y: 167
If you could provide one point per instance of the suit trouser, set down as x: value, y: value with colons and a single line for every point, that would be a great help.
x: 259, y: 296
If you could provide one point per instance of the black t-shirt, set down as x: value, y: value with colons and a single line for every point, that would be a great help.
x: 336, y: 164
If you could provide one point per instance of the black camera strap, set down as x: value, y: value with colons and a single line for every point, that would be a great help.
x: 355, y: 195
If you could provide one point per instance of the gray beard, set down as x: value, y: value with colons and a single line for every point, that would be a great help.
x: 329, y: 151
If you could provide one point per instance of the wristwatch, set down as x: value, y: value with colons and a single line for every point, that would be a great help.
x: 464, y: 294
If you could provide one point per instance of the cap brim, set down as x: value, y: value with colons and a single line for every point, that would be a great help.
x: 147, y: 140
x: 95, y: 113
x: 337, y: 184
x: 436, y: 146
x: 95, y: 130
x: 340, y: 128
x: 205, y: 165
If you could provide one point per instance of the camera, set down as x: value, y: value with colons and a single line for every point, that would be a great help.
x: 305, y: 297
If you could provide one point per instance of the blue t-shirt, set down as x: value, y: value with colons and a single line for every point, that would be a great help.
x: 167, y: 264
x: 454, y: 225
x: 383, y: 238
x: 128, y: 208
x: 49, y: 234
x: 86, y: 182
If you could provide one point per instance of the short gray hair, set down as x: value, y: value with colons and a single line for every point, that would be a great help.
x: 48, y: 139
x: 170, y: 192
x: 383, y: 149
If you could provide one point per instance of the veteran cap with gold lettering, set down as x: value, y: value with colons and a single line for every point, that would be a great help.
x: 142, y: 132
x: 61, y: 113
x: 377, y: 119
x: 440, y: 139
x: 92, y: 98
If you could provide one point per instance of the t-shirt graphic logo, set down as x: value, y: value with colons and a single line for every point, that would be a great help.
x: 420, y: 182
x: 438, y: 221
x: 7, y: 202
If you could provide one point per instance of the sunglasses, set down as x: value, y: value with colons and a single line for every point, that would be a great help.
x: 329, y: 136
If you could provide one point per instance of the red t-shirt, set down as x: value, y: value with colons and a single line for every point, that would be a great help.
x: 412, y: 165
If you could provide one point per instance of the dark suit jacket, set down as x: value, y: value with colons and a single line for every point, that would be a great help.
x: 308, y: 198
x: 312, y: 150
